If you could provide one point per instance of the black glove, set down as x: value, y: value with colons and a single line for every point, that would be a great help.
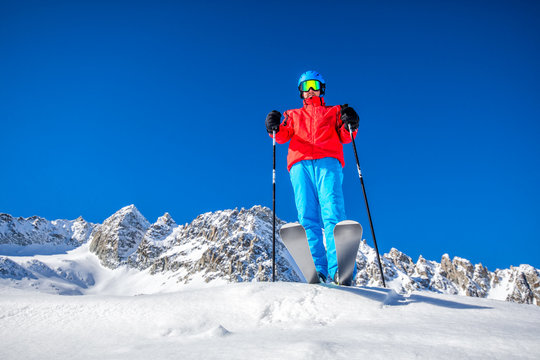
x: 349, y: 117
x: 273, y: 119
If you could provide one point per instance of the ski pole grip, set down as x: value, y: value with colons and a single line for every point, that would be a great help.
x: 344, y: 106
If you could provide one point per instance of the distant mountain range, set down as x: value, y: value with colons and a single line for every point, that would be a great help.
x: 229, y: 245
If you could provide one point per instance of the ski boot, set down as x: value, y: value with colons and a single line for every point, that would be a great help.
x: 322, y: 278
x: 337, y: 282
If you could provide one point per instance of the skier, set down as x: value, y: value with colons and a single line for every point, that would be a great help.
x: 315, y: 160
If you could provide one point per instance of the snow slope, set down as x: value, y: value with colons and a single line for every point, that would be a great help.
x: 266, y: 321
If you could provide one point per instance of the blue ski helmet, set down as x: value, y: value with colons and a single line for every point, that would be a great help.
x: 312, y: 75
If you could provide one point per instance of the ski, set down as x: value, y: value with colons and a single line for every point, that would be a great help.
x: 347, y: 237
x: 295, y: 239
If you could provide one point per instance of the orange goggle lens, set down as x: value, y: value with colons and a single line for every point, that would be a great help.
x: 310, y: 84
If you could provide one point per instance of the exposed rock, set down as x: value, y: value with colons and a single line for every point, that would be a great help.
x: 401, y: 261
x: 521, y: 284
x: 119, y: 236
x: 235, y: 245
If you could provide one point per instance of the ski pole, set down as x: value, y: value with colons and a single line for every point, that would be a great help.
x: 367, y: 205
x: 274, y: 211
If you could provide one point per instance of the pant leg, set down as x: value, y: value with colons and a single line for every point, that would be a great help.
x: 329, y: 175
x: 307, y: 204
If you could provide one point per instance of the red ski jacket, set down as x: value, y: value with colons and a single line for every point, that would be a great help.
x: 315, y: 131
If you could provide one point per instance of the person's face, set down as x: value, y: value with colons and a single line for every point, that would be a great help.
x: 311, y: 93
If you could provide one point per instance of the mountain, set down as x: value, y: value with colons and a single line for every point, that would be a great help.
x: 69, y: 257
x: 33, y: 235
x: 119, y: 236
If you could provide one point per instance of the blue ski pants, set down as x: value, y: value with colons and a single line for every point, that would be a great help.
x: 320, y: 204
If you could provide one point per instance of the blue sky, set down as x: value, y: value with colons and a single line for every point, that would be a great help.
x: 161, y: 104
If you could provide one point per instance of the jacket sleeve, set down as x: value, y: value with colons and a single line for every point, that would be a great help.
x: 344, y: 133
x: 286, y: 130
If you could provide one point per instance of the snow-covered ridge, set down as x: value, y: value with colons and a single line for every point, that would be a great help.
x: 36, y: 235
x: 77, y: 257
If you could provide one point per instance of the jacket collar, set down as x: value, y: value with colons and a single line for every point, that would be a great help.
x: 314, y: 101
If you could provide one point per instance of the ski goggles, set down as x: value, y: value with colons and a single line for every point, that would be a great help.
x: 310, y: 84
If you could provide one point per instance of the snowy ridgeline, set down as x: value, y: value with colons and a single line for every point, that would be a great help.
x: 127, y: 255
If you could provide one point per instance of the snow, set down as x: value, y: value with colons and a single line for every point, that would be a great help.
x: 265, y: 321
x: 126, y: 313
x: 34, y: 249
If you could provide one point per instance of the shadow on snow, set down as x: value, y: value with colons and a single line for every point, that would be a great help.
x: 389, y: 297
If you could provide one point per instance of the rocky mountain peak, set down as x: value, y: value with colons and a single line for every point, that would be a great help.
x: 119, y: 236
x: 126, y: 216
x: 166, y: 219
